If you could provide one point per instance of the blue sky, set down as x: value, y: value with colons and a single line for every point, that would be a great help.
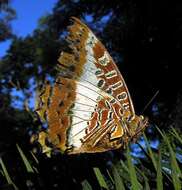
x: 28, y: 13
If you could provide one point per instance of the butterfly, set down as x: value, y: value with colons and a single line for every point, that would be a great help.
x: 88, y: 109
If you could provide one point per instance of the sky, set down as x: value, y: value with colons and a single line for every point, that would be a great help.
x: 28, y: 13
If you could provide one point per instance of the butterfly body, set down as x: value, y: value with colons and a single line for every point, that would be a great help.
x: 89, y: 108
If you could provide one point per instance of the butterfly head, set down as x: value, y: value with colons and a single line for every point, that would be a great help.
x: 137, y: 126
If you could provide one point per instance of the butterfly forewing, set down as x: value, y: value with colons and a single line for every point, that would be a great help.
x: 92, y: 63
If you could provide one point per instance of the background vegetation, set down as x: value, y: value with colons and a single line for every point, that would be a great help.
x: 144, y: 38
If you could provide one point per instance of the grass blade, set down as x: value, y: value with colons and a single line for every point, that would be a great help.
x: 133, y: 177
x: 151, y: 155
x: 146, y: 184
x: 176, y: 172
x: 176, y: 135
x: 159, y: 173
x: 100, y: 178
x: 118, y: 181
x: 86, y: 185
x: 25, y: 160
x: 6, y: 174
x: 124, y: 172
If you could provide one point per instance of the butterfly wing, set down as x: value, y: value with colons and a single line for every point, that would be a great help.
x: 85, y: 106
x: 89, y: 61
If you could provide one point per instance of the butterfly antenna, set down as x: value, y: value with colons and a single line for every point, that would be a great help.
x: 150, y: 101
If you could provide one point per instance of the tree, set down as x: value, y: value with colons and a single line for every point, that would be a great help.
x: 7, y: 14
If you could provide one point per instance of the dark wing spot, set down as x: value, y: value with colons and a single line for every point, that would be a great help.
x: 109, y: 90
x: 61, y: 104
x: 42, y: 93
x: 98, y: 72
x: 107, y: 104
x: 72, y: 106
x: 69, y: 95
x: 59, y: 137
x: 110, y: 116
x: 48, y: 102
x: 45, y: 115
x: 122, y: 96
x: 72, y: 68
x: 100, y: 84
x: 112, y: 101
x: 48, y: 142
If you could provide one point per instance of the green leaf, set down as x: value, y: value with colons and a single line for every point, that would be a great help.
x: 25, y: 160
x: 100, y: 178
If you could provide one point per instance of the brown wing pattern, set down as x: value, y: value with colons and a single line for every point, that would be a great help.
x: 88, y: 109
x: 54, y: 104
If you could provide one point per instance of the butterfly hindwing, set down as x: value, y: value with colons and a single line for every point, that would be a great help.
x: 91, y: 117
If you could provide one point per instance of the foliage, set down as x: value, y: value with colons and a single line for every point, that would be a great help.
x: 7, y: 15
x: 128, y: 173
